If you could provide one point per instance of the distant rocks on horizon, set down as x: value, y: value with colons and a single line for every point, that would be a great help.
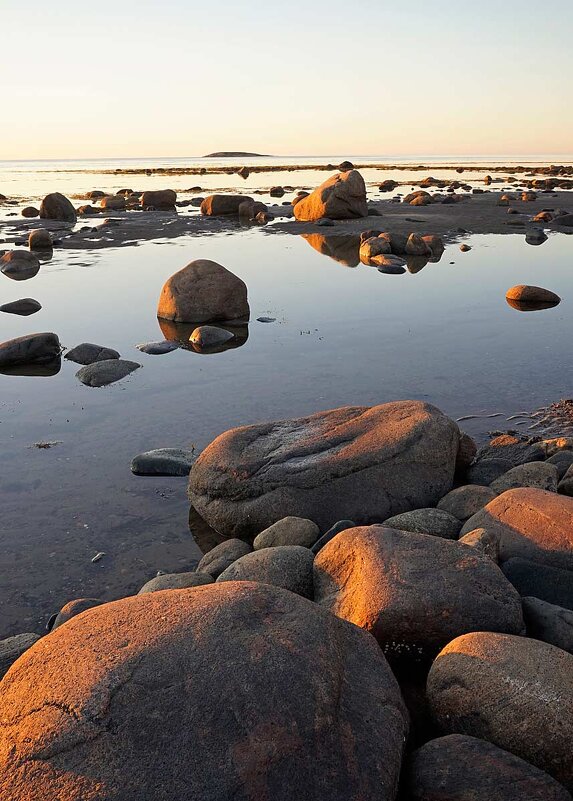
x: 229, y: 154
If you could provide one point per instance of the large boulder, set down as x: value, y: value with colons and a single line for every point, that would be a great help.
x: 512, y: 691
x: 222, y: 205
x: 531, y: 523
x: 286, y: 566
x: 159, y: 199
x: 56, y: 206
x: 233, y: 690
x: 385, y: 581
x: 363, y: 463
x: 201, y: 292
x: 30, y: 349
x: 341, y: 197
x: 461, y: 768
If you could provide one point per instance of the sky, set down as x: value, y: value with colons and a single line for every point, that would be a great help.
x: 369, y: 77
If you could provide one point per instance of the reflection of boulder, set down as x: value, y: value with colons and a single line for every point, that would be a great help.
x: 343, y: 249
x: 39, y: 369
x: 181, y: 333
x: 527, y: 307
x: 416, y: 263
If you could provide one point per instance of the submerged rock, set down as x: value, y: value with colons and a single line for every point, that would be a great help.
x: 366, y: 463
x: 88, y: 353
x: 341, y: 197
x: 100, y: 374
x: 30, y: 349
x: 163, y: 462
x: 23, y: 307
x: 201, y: 292
x: 281, y: 700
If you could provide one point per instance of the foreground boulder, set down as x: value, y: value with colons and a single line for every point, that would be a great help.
x: 280, y: 701
x: 159, y: 199
x: 30, y: 349
x: 531, y: 523
x: 512, y: 691
x: 56, y: 206
x: 222, y: 205
x: 201, y: 292
x: 341, y: 197
x: 363, y: 463
x: 460, y: 768
x: 384, y: 580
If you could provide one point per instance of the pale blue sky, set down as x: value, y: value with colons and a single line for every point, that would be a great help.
x: 298, y: 77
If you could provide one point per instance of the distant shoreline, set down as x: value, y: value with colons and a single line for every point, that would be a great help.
x: 236, y: 154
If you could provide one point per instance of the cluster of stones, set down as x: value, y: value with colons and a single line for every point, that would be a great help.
x: 391, y: 612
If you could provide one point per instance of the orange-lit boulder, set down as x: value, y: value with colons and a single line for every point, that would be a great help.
x: 531, y: 523
x: 512, y: 691
x: 159, y: 199
x: 413, y: 592
x: 343, y: 249
x: 201, y: 292
x: 358, y: 462
x: 232, y: 690
x: 340, y: 197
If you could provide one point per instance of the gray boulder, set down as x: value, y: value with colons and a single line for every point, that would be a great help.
x: 56, y: 206
x: 288, y: 531
x: 543, y: 581
x: 209, y: 336
x: 176, y: 581
x: 163, y: 462
x: 427, y: 521
x: 542, y: 475
x: 565, y: 486
x: 100, y: 374
x: 562, y: 461
x: 463, y: 502
x: 24, y: 307
x: 366, y: 463
x: 503, y: 453
x: 286, y: 566
x: 88, y: 353
x: 549, y: 622
x: 12, y: 649
x: 222, y: 556
x: 30, y: 349
x: 158, y: 348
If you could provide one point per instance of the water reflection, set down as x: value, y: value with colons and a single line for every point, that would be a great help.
x: 527, y: 307
x: 344, y: 249
x: 44, y: 369
x: 180, y: 333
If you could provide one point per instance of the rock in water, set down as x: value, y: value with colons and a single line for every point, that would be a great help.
x: 40, y: 239
x: 365, y: 463
x: 281, y: 701
x: 512, y: 691
x: 532, y: 294
x: 163, y: 462
x: 30, y: 349
x: 19, y: 265
x: 100, y: 374
x: 531, y: 523
x: 209, y: 336
x: 222, y: 205
x: 460, y: 768
x: 23, y: 307
x: 341, y: 197
x: 160, y: 199
x: 384, y: 580
x: 56, y: 206
x: 158, y: 348
x: 201, y: 292
x: 88, y: 353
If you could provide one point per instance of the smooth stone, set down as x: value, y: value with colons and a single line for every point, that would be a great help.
x: 209, y: 336
x: 222, y: 556
x: 56, y: 206
x: 364, y: 463
x: 176, y: 581
x: 88, y: 353
x: 30, y: 349
x: 158, y: 348
x: 100, y: 374
x: 229, y: 688
x: 525, y: 293
x: 462, y: 768
x: 551, y: 584
x: 500, y: 455
x: 159, y: 199
x: 514, y: 692
x: 548, y: 622
x: 483, y: 540
x: 286, y: 566
x: 288, y: 531
x: 341, y: 525
x: 426, y: 521
x: 386, y: 581
x: 530, y: 523
x: 266, y: 319
x: 340, y: 197
x: 12, y: 649
x: 223, y: 205
x: 30, y: 211
x: 542, y: 475
x: 19, y: 265
x: 463, y: 502
x: 40, y: 239
x: 73, y: 608
x: 163, y: 462
x: 23, y: 307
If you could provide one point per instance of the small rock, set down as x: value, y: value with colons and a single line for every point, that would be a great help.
x: 100, y: 374
x: 286, y: 566
x: 30, y: 211
x: 464, y: 248
x: 176, y: 581
x: 210, y: 336
x: 463, y: 502
x: 427, y: 521
x: 542, y: 475
x: 288, y: 531
x: 158, y: 348
x: 222, y: 556
x: 266, y: 319
x: 30, y: 349
x: 23, y: 307
x: 163, y: 462
x: 88, y: 353
x: 40, y: 239
x: 503, y: 453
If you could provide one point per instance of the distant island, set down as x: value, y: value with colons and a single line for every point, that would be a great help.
x: 229, y: 154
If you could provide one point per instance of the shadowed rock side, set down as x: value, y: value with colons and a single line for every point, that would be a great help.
x: 358, y: 462
x: 343, y: 249
x: 233, y: 690
x: 181, y: 333
x: 341, y: 197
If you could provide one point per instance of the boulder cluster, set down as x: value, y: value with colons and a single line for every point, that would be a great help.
x: 389, y: 616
